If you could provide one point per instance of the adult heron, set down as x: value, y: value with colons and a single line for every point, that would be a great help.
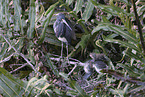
x: 64, y: 31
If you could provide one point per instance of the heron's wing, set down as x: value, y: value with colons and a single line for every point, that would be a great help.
x: 59, y: 28
x: 100, y: 64
x: 70, y: 29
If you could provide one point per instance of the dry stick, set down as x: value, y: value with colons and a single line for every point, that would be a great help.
x: 7, y: 58
x: 71, y: 62
x: 23, y: 65
x: 139, y: 26
x: 72, y: 70
x: 22, y: 55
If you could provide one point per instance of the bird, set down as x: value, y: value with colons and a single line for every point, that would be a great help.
x: 97, y: 57
x: 97, y: 62
x: 88, y: 69
x: 64, y: 31
x: 99, y: 65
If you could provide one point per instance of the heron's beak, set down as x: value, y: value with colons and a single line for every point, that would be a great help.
x: 66, y: 24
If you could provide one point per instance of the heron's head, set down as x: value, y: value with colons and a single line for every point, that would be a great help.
x: 60, y: 16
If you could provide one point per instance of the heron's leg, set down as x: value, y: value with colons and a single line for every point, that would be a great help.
x: 61, y: 58
x: 61, y: 49
x: 67, y: 52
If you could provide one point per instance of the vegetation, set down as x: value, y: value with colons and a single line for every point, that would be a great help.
x: 30, y: 52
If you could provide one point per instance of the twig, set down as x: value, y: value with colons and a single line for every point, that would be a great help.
x: 71, y: 62
x: 139, y: 26
x: 7, y: 58
x: 23, y: 65
x: 72, y: 70
x: 22, y: 55
x: 60, y: 84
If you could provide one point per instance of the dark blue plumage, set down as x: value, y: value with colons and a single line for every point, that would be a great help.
x: 63, y: 29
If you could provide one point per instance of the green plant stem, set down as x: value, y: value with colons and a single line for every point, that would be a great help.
x: 139, y: 26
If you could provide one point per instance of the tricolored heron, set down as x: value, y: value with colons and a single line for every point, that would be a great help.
x: 64, y: 30
x: 97, y: 62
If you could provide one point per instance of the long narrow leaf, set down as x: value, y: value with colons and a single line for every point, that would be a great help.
x: 68, y: 2
x: 32, y: 14
x: 84, y: 40
x: 53, y: 67
x: 123, y: 43
x: 88, y: 11
x: 130, y: 70
x: 80, y: 91
x: 45, y: 26
x: 116, y: 29
x: 135, y: 56
x: 123, y: 33
x: 50, y: 8
x: 113, y: 10
x: 17, y: 10
x: 10, y: 86
x: 49, y: 14
x: 78, y: 6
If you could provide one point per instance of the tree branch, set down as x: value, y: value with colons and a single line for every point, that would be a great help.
x: 22, y: 55
x: 139, y: 26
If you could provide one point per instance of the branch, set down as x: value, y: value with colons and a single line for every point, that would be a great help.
x: 139, y: 26
x: 22, y: 55
x: 23, y: 65
x: 71, y: 62
x: 72, y: 69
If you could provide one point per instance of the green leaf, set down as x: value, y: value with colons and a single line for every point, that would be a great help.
x: 78, y: 6
x: 18, y: 20
x: 40, y: 86
x: 10, y: 86
x: 49, y: 14
x: 123, y: 33
x: 31, y: 54
x: 65, y: 76
x: 80, y: 91
x: 53, y: 67
x: 111, y: 36
x: 123, y: 43
x: 88, y: 11
x: 100, y: 27
x: 141, y: 10
x: 116, y: 29
x: 40, y: 13
x: 113, y: 10
x: 135, y: 90
x: 84, y: 40
x: 32, y: 14
x: 68, y: 2
x: 3, y: 49
x: 134, y: 56
x: 50, y: 8
x: 5, y: 14
x: 46, y: 22
x: 130, y: 70
x: 51, y: 39
x: 117, y: 91
x: 74, y: 93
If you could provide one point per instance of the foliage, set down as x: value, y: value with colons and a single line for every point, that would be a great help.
x: 30, y: 51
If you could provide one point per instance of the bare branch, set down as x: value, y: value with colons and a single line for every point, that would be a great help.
x: 23, y: 65
x: 22, y: 55
x: 139, y: 26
